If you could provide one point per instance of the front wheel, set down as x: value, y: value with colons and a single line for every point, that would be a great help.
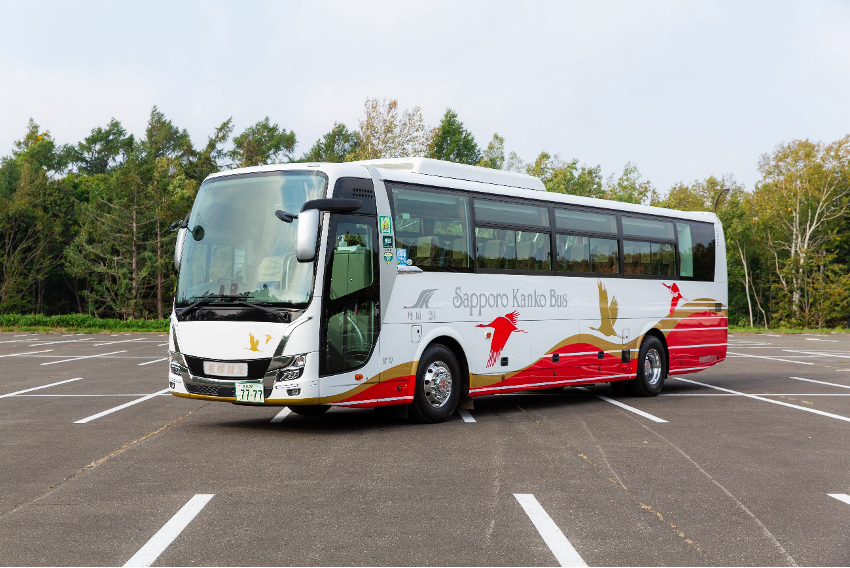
x: 438, y: 385
x: 652, y: 368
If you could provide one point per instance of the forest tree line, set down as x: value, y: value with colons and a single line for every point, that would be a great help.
x: 84, y: 227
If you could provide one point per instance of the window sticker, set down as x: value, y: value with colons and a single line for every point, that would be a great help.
x: 386, y: 224
x: 388, y: 257
x: 388, y: 242
x: 401, y: 256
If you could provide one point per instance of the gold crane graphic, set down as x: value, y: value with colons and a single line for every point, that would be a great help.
x: 607, y: 313
x: 268, y: 337
x: 255, y: 343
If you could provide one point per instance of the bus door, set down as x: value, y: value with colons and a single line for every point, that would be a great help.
x: 350, y: 305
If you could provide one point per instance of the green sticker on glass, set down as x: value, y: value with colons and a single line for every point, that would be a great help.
x: 388, y: 242
x: 386, y: 224
x: 388, y: 257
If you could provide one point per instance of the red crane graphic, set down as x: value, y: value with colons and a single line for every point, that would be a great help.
x: 503, y: 327
x: 677, y: 295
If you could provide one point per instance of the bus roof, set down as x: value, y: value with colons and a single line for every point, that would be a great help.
x: 426, y: 171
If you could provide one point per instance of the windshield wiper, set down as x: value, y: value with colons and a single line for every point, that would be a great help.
x: 238, y: 300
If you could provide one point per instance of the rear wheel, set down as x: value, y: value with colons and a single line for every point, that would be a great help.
x: 438, y: 386
x: 310, y: 410
x: 652, y: 368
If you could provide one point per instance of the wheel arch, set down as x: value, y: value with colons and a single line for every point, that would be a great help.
x: 656, y: 333
x: 453, y: 342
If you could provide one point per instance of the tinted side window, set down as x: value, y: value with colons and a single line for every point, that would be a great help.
x: 498, y: 212
x: 433, y: 229
x: 650, y: 259
x: 636, y: 227
x: 696, y: 250
x: 581, y: 221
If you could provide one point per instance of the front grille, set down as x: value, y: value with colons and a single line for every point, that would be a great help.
x: 228, y: 392
x: 256, y: 368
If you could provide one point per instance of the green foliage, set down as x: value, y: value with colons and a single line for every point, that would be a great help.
x: 494, y: 155
x: 336, y: 146
x: 262, y: 143
x: 451, y: 142
x: 102, y: 150
x: 78, y: 322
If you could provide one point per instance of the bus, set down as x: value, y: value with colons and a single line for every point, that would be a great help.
x: 424, y: 283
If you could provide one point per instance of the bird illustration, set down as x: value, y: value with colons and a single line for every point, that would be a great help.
x: 268, y: 338
x: 607, y: 313
x: 502, y: 326
x: 255, y: 343
x: 677, y: 295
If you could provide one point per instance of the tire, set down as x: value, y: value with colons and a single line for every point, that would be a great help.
x: 310, y: 410
x: 438, y: 386
x: 652, y: 368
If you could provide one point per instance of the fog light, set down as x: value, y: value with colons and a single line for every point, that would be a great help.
x: 293, y: 392
x: 175, y: 370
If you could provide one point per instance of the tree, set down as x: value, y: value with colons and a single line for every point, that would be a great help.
x: 494, y: 156
x: 102, y: 150
x: 451, y: 142
x: 262, y: 143
x: 336, y: 146
x: 630, y: 187
x: 801, y: 200
x: 211, y: 159
x: 385, y: 133
x: 566, y: 177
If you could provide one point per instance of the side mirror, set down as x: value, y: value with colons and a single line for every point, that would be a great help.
x: 178, y: 247
x: 307, y: 235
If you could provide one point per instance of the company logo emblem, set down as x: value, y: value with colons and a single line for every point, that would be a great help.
x: 388, y: 257
x: 677, y: 295
x: 422, y: 301
x: 608, y: 312
x: 255, y: 343
x: 503, y: 327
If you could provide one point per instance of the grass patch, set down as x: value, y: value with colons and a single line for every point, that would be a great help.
x: 80, y: 323
x: 785, y: 330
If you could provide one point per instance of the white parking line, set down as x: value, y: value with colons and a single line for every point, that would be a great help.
x: 27, y: 353
x: 83, y: 357
x: 771, y: 358
x: 154, y: 361
x: 821, y: 382
x: 779, y: 402
x: 563, y: 550
x: 171, y: 530
x: 62, y: 341
x: 625, y: 406
x: 467, y: 417
x: 281, y: 415
x: 122, y: 341
x: 41, y: 387
x: 117, y: 408
x: 841, y: 497
x: 815, y: 339
x: 820, y: 354
x: 162, y: 344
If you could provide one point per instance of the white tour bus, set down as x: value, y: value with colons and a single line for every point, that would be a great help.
x: 425, y: 283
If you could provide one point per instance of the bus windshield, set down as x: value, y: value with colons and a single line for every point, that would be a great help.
x: 236, y: 247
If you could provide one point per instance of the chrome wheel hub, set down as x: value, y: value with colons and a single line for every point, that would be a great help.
x: 652, y: 367
x: 437, y: 384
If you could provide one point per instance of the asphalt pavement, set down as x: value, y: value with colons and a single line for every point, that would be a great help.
x: 747, y: 463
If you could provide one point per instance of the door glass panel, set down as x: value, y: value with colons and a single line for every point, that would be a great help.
x: 350, y: 313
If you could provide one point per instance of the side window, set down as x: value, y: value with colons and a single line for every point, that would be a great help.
x: 495, y: 248
x: 636, y: 227
x: 433, y: 229
x: 649, y: 259
x: 349, y: 309
x: 696, y: 250
x: 532, y: 251
x: 585, y: 221
x: 578, y: 253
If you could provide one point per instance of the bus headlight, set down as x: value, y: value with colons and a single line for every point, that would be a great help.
x: 177, y: 363
x: 288, y: 368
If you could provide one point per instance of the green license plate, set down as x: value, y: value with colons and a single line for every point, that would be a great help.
x: 249, y: 392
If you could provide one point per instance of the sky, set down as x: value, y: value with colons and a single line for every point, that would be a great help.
x: 684, y: 90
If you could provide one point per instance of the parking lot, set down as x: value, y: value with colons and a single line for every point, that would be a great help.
x: 747, y: 463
